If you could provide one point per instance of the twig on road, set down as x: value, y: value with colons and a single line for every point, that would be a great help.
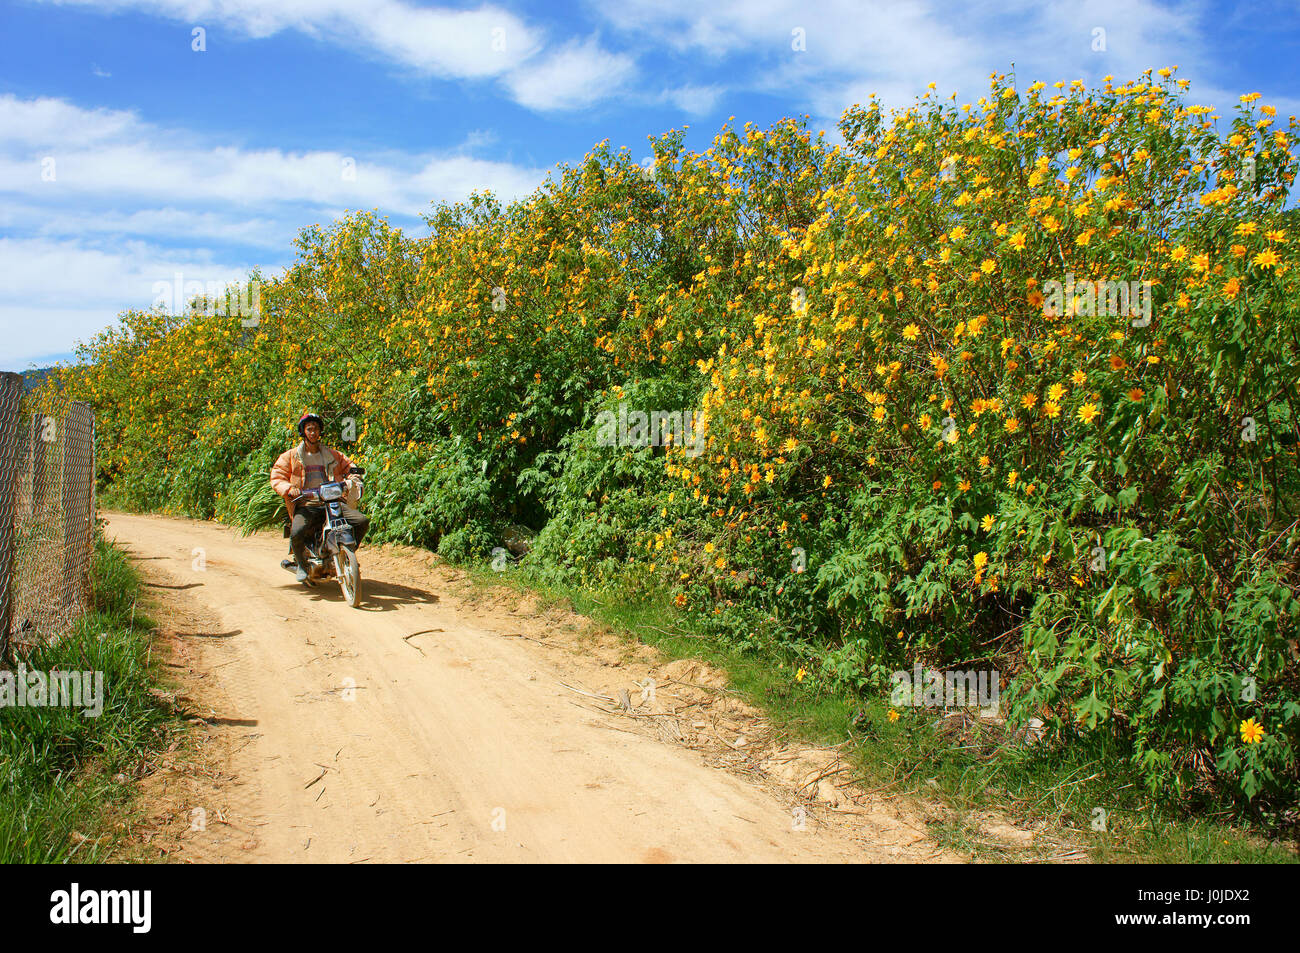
x: 323, y: 771
x: 407, y: 639
x: 589, y: 694
x: 520, y: 635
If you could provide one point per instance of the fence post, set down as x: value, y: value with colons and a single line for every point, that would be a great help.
x: 11, y: 392
x: 32, y: 437
x: 94, y: 475
x: 40, y: 458
x: 76, y: 482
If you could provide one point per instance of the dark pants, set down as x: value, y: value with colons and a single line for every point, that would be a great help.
x: 307, y: 521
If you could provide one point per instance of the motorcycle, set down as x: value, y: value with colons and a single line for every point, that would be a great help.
x: 332, y: 554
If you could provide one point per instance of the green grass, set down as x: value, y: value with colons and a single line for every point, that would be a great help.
x: 1055, y: 788
x: 66, y: 779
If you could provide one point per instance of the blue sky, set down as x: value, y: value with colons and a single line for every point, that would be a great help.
x: 128, y: 157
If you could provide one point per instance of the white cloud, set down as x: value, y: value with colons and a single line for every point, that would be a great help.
x: 54, y: 293
x: 67, y: 274
x: 697, y: 100
x: 59, y: 330
x: 116, y: 156
x: 46, y: 122
x: 93, y: 241
x: 895, y: 48
x: 437, y: 41
x: 259, y: 179
x: 578, y: 74
x: 487, y: 42
x: 173, y: 225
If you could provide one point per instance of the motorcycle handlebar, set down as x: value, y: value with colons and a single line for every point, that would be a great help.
x: 315, y: 492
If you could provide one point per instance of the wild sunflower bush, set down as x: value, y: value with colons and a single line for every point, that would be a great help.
x: 1006, y: 385
x: 1103, y: 498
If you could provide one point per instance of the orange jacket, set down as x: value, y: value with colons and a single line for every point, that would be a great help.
x: 289, y: 472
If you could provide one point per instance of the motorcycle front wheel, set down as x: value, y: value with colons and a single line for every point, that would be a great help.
x: 348, y: 569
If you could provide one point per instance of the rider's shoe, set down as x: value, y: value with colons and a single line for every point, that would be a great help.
x: 301, y: 575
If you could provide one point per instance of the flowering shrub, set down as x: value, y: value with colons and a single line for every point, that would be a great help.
x: 1104, y: 501
x: 1008, y: 383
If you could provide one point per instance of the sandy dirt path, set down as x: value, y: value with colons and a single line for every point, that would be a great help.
x: 441, y: 723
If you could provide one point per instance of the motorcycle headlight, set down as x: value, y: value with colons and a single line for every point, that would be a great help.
x: 331, y: 492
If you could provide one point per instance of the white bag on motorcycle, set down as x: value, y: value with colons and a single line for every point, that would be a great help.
x: 354, y: 491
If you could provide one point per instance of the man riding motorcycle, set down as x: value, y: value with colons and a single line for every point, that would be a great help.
x: 305, y: 467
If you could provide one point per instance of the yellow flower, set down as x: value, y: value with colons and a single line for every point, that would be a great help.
x: 988, y: 265
x: 911, y: 332
x: 1079, y: 377
x: 1251, y: 731
x: 800, y: 675
x: 1087, y: 412
x: 981, y: 559
x: 893, y: 715
x: 1051, y: 409
x: 1018, y: 240
x: 986, y: 523
x: 1266, y: 259
x: 984, y: 462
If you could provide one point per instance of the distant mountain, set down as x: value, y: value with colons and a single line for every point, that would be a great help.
x: 33, y: 378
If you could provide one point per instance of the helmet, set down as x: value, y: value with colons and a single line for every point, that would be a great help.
x: 307, y: 418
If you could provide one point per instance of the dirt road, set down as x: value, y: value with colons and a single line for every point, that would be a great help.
x: 448, y: 722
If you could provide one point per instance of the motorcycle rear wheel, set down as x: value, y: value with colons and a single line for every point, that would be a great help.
x: 348, y: 570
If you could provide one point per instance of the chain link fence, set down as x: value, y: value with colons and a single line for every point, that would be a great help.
x: 47, y: 515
